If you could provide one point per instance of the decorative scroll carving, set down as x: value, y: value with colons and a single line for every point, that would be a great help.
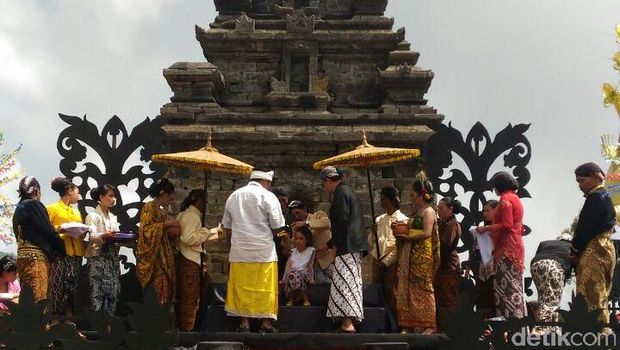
x: 114, y: 146
x: 479, y: 152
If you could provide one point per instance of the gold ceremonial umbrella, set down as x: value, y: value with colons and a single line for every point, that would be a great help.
x: 208, y: 159
x: 365, y: 156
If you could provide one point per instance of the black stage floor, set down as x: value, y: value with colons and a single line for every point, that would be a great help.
x: 316, y: 340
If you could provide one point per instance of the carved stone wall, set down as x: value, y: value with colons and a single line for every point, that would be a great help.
x: 362, y: 76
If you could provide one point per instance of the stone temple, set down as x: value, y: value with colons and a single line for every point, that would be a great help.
x: 288, y: 82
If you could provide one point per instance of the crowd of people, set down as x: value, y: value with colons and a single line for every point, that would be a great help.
x: 278, y: 244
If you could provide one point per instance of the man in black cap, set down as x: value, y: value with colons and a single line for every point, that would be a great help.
x: 349, y: 239
x: 592, y: 251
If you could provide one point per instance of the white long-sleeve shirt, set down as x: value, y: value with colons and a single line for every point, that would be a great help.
x: 100, y: 223
x: 193, y: 235
x: 251, y: 213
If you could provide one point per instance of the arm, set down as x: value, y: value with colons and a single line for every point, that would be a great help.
x: 192, y: 232
x: 43, y: 225
x: 319, y: 220
x: 428, y: 221
x: 390, y: 255
x: 287, y: 269
x: 586, y: 226
x: 506, y: 222
x: 310, y: 269
x: 340, y: 214
x: 95, y: 236
x: 51, y: 214
x: 274, y: 210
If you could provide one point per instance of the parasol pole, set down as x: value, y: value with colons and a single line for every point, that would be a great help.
x: 201, y: 301
x: 372, y: 211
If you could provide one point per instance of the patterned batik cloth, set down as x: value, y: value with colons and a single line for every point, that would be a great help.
x: 188, y: 292
x: 252, y: 290
x: 418, y: 262
x: 447, y: 288
x: 104, y: 277
x: 548, y: 277
x: 155, y: 254
x: 595, y: 273
x: 345, y: 294
x: 34, y: 270
x: 508, y: 290
x: 294, y: 281
x: 63, y: 284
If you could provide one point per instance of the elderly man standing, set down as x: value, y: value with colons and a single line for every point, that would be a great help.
x: 592, y: 250
x: 252, y: 215
x: 349, y: 239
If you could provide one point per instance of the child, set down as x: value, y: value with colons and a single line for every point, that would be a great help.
x: 9, y: 285
x: 299, y: 269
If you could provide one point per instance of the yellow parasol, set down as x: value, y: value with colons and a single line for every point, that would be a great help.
x: 207, y: 159
x: 365, y: 156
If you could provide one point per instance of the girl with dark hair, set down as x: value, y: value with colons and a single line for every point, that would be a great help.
x: 508, y: 250
x: 299, y: 271
x: 101, y: 253
x: 63, y: 284
x: 448, y: 278
x: 154, y: 249
x: 418, y: 261
x: 188, y: 262
x: 8, y: 281
x: 386, y: 261
x: 38, y: 244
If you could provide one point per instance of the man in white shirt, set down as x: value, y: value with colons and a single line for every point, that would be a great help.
x: 252, y: 215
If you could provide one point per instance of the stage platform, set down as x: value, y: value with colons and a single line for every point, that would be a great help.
x: 334, y: 341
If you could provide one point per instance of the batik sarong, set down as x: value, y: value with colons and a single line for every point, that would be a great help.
x: 345, y: 295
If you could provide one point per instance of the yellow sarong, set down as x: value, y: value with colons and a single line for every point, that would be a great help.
x: 252, y: 290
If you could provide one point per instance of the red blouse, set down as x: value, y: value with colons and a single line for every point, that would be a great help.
x: 507, y: 230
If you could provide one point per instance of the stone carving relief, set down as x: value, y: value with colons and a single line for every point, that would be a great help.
x: 276, y: 85
x: 245, y: 24
x: 300, y: 23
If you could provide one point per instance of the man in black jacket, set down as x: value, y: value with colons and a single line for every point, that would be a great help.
x: 592, y: 249
x: 349, y: 239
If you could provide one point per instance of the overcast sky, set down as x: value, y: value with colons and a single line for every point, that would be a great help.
x: 518, y: 61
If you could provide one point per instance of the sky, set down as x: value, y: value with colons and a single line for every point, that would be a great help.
x: 498, y: 62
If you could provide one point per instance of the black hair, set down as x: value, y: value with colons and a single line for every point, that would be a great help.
x: 7, y: 264
x: 297, y: 204
x: 62, y: 185
x: 391, y: 193
x: 503, y: 181
x: 28, y: 187
x: 280, y: 191
x: 101, y: 190
x: 304, y: 230
x: 193, y: 197
x: 424, y: 188
x: 161, y: 186
x: 492, y: 202
x: 453, y: 204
